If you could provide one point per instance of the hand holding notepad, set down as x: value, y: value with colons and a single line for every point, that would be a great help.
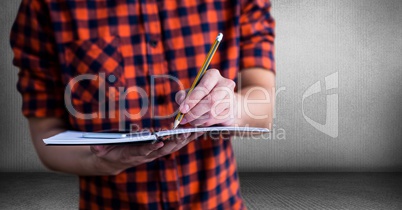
x: 82, y: 138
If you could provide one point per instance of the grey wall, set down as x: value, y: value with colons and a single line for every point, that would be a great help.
x: 361, y: 41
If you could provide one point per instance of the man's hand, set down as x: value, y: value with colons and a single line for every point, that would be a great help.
x: 212, y: 102
x: 97, y: 160
x: 113, y: 159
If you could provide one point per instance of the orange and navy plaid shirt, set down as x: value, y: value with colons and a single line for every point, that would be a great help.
x: 146, y: 51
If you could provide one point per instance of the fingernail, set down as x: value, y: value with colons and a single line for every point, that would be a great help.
x: 185, y: 108
x: 183, y: 121
x: 182, y: 97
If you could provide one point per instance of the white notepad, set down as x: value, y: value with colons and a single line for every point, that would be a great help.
x: 89, y: 138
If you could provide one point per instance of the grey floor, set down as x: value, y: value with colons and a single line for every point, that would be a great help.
x: 260, y: 191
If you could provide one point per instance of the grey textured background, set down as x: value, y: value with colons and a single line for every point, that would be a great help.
x: 361, y: 40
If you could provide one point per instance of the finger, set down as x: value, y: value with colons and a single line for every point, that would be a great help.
x: 229, y: 122
x: 221, y: 106
x: 101, y: 150
x: 143, y: 150
x: 96, y: 149
x: 181, y: 137
x: 197, y: 112
x: 184, y: 139
x: 172, y: 146
x: 166, y: 149
x: 212, y: 101
x: 205, y: 86
x: 216, y: 114
x: 225, y: 118
x: 190, y: 137
x: 201, y: 120
x: 228, y: 83
x: 180, y: 96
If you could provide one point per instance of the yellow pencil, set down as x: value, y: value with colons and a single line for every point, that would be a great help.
x: 200, y: 73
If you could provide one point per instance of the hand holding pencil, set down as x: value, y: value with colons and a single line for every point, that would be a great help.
x: 210, y: 100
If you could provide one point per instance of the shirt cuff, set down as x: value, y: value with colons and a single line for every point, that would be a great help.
x: 260, y: 54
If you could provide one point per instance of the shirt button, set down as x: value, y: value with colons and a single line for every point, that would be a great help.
x: 153, y: 43
x: 111, y: 79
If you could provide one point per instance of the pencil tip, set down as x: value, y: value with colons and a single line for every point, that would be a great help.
x: 175, y: 124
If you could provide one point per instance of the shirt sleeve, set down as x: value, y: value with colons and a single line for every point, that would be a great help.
x: 39, y: 79
x: 257, y: 35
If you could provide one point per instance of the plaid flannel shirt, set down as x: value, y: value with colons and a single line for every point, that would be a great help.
x: 136, y: 49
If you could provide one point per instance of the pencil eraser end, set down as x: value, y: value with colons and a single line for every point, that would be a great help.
x: 219, y: 37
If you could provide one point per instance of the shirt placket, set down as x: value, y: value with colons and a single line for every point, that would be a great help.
x: 160, y: 90
x: 157, y: 65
